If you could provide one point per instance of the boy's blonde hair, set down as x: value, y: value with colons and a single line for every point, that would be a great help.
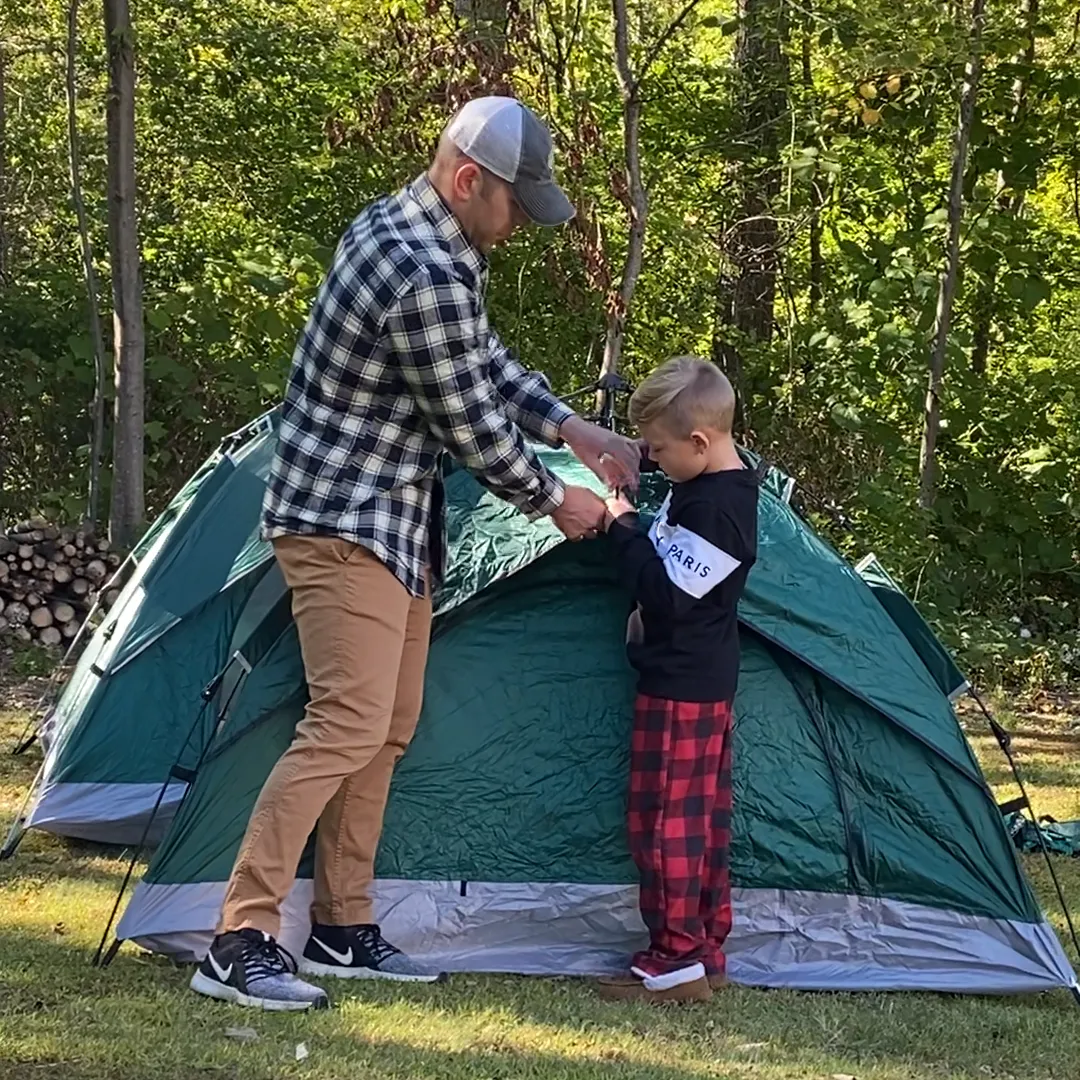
x: 685, y: 393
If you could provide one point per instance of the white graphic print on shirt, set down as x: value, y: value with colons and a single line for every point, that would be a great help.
x: 693, y: 564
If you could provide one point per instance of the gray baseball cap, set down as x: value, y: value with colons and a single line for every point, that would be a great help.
x: 510, y: 140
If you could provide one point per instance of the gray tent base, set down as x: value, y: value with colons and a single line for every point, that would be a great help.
x: 107, y: 813
x: 780, y: 939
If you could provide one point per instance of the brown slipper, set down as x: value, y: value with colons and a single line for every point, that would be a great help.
x: 630, y: 988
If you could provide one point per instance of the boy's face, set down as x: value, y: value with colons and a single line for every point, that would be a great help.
x: 681, y: 457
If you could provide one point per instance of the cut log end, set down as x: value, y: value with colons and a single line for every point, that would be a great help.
x: 17, y: 613
x: 63, y: 612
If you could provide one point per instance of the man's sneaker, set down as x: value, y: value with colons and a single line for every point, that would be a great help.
x: 248, y: 967
x: 360, y: 952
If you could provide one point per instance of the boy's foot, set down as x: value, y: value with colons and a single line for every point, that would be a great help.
x: 717, y: 981
x: 676, y: 986
x: 248, y: 967
x: 361, y: 952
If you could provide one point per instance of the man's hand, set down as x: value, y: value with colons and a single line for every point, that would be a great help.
x: 613, y: 457
x: 581, y: 513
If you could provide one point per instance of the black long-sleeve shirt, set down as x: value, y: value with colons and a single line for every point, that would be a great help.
x: 686, y: 574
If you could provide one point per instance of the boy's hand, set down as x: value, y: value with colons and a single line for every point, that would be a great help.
x: 617, y: 505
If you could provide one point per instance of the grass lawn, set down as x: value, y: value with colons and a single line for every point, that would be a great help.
x: 60, y: 1019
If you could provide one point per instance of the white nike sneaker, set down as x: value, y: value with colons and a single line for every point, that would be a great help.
x: 248, y: 967
x: 361, y: 952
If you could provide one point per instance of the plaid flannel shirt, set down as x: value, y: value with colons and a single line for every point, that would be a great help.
x: 396, y: 366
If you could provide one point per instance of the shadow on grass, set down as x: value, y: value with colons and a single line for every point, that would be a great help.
x: 52, y: 864
x: 1035, y: 773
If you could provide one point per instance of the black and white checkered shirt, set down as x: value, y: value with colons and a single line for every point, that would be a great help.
x: 396, y: 365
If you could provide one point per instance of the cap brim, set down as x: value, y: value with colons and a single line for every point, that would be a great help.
x: 544, y: 201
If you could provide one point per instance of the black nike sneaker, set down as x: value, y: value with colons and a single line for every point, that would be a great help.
x: 248, y: 967
x: 361, y: 952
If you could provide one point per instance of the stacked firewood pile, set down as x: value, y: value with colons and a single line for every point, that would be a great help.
x: 50, y: 578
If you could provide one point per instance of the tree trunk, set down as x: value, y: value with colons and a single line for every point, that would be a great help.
x: 97, y: 406
x: 817, y: 196
x: 947, y: 288
x: 636, y: 199
x: 127, y: 511
x: 750, y: 248
x: 4, y: 243
x: 1006, y: 204
x: 817, y: 265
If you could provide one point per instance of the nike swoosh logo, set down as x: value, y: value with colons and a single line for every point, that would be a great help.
x: 222, y: 973
x: 345, y: 958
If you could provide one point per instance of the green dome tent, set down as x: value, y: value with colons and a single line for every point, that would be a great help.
x: 868, y: 851
x: 124, y: 718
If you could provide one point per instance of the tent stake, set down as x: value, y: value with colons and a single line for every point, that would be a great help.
x: 114, y: 948
x: 1004, y: 740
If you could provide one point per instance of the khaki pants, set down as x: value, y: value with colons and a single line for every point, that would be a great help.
x: 364, y: 641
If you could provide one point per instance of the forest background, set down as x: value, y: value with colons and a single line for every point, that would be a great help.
x: 869, y: 216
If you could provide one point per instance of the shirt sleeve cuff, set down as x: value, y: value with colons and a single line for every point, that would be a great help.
x: 551, y: 421
x: 624, y: 528
x: 547, y: 500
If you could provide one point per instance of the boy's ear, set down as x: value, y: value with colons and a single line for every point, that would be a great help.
x: 701, y: 441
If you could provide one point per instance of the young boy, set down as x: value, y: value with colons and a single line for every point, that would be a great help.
x: 686, y: 575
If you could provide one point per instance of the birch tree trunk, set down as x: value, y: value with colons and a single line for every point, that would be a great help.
x: 947, y: 287
x: 636, y: 199
x: 638, y: 206
x: 128, y: 509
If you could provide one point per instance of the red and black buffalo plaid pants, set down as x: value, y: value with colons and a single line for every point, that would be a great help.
x: 680, y: 829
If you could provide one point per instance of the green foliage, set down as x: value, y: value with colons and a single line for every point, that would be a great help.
x: 264, y: 126
x: 30, y: 662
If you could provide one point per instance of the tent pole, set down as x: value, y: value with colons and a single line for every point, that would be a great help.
x: 97, y: 960
x: 1004, y: 740
x: 175, y: 771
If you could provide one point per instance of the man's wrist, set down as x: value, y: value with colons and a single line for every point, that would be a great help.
x: 573, y: 429
x: 548, y: 500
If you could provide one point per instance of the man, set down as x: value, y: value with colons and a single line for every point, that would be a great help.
x: 397, y: 366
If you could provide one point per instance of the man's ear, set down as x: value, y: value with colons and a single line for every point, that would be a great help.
x: 468, y: 180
